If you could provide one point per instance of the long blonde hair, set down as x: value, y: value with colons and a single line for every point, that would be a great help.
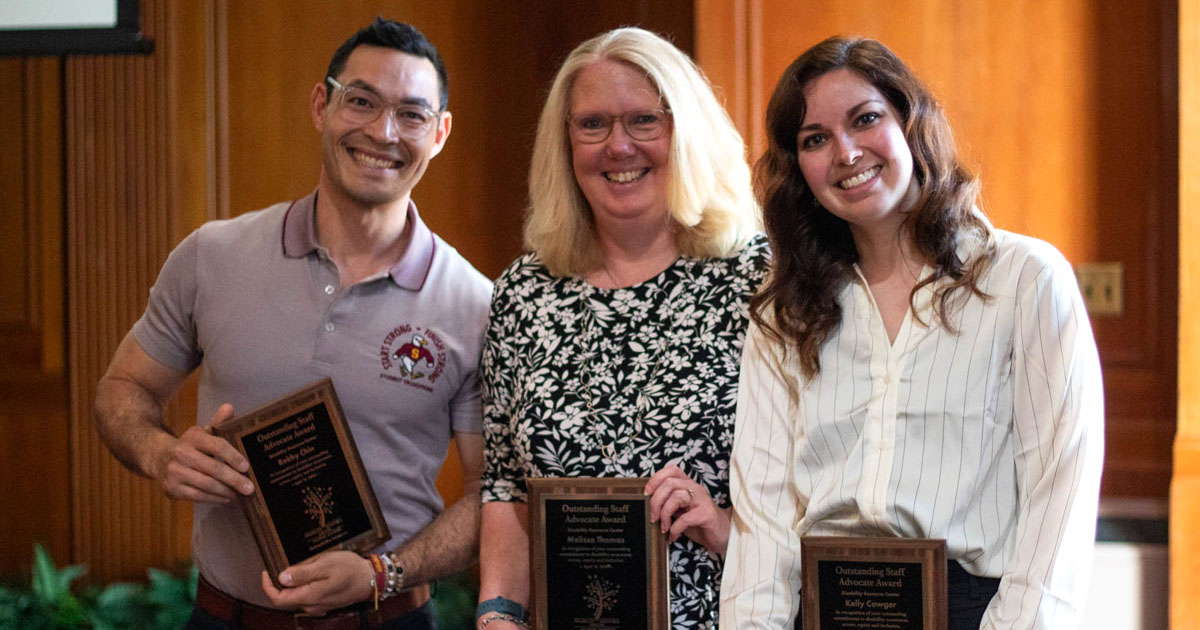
x: 709, y: 192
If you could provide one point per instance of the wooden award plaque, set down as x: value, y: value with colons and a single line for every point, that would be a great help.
x: 873, y: 583
x: 596, y: 561
x: 311, y: 491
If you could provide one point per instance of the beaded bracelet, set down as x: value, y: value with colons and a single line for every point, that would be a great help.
x: 392, y: 586
x: 397, y: 573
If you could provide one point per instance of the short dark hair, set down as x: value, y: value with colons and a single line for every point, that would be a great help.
x: 387, y: 33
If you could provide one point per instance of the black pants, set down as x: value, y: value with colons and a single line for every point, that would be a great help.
x: 969, y: 596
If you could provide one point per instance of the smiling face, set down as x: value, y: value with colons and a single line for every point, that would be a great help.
x: 374, y: 164
x: 623, y: 179
x: 853, y: 154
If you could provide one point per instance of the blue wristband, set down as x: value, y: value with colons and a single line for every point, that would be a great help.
x: 501, y: 605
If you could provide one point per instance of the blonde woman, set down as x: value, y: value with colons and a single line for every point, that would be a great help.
x: 613, y: 345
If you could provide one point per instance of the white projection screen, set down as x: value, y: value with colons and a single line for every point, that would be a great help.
x: 70, y: 27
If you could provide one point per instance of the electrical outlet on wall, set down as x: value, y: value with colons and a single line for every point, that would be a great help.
x: 1103, y: 287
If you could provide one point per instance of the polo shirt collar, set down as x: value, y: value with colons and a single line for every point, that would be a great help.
x: 413, y: 267
x: 410, y: 272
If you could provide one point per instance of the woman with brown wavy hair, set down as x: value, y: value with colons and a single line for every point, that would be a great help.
x: 911, y: 370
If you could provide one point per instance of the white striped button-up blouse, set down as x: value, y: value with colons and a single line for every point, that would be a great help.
x: 990, y: 438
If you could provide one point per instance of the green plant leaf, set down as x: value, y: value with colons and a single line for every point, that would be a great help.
x: 454, y: 599
x: 165, y: 602
x: 16, y: 609
x: 121, y: 594
x: 122, y: 602
x: 119, y: 606
x: 193, y: 582
x: 103, y: 624
x: 43, y: 579
x: 51, y: 586
x: 172, y: 597
x: 68, y: 613
x: 164, y: 587
x: 53, y: 605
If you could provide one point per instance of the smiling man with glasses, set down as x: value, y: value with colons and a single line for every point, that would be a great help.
x: 349, y: 284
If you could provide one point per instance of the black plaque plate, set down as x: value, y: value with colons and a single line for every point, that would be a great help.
x: 873, y: 583
x: 597, y: 562
x: 312, y: 493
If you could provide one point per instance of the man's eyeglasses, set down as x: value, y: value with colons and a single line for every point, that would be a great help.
x: 360, y: 106
x: 640, y: 124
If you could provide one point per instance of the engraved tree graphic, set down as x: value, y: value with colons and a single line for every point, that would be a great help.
x: 601, y: 595
x: 318, y: 503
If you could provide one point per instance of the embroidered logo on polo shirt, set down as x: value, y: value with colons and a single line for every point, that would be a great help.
x: 412, y: 355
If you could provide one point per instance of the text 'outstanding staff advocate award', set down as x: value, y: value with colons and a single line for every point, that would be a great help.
x: 596, y: 561
x: 311, y: 491
x: 873, y: 583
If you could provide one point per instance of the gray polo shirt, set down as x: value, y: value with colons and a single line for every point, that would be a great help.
x: 255, y: 303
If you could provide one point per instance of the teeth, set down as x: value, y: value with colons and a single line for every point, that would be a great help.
x: 373, y: 162
x: 627, y: 176
x: 860, y: 178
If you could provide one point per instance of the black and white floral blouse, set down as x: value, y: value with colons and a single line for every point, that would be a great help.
x: 587, y: 382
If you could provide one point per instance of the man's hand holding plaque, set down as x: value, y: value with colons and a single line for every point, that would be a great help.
x: 201, y: 466
x: 312, y: 493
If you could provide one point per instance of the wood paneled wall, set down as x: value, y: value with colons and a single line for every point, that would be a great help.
x: 1067, y: 110
x: 1185, y: 486
x: 121, y: 222
x: 34, y: 433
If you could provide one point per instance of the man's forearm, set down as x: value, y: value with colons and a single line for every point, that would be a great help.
x: 448, y: 544
x: 130, y: 422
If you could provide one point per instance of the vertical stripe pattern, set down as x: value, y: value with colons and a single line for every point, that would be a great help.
x: 119, y: 184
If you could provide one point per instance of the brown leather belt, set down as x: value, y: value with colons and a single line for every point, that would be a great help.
x: 251, y: 617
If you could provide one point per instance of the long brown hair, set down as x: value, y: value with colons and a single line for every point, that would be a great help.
x: 813, y: 251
